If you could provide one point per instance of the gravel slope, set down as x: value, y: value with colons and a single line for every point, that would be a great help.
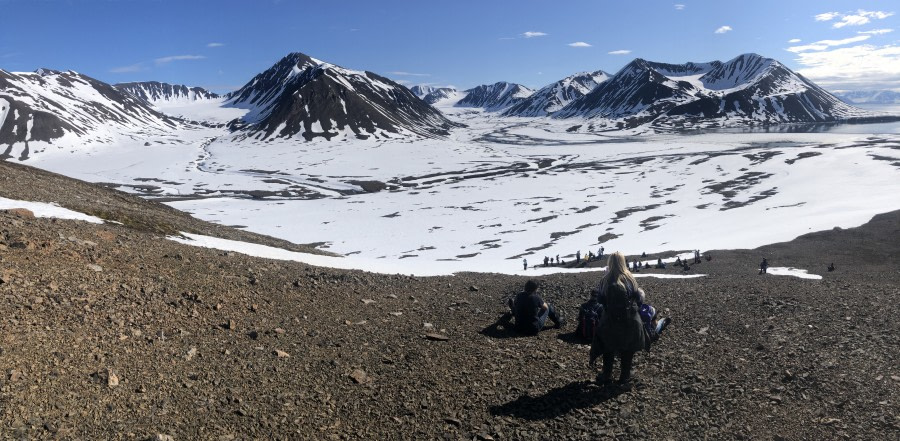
x: 192, y: 343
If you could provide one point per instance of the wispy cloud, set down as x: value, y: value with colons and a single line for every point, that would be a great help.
x: 409, y: 74
x: 723, y: 29
x: 531, y: 34
x: 794, y: 40
x: 827, y: 16
x: 169, y: 59
x: 856, y: 67
x: 679, y: 6
x: 620, y: 52
x: 821, y: 45
x: 858, y: 18
x: 137, y: 67
x: 579, y: 44
x: 876, y: 31
x: 215, y: 45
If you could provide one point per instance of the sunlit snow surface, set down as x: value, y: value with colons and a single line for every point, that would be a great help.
x: 504, y: 189
x: 41, y: 209
x: 796, y: 272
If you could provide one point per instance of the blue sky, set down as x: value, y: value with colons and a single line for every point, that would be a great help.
x: 220, y: 45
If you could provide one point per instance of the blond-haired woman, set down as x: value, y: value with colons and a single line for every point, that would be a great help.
x: 620, y: 329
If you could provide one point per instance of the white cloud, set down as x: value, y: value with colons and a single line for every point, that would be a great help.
x: 137, y: 67
x: 409, y: 74
x: 825, y: 44
x: 531, y: 34
x: 856, y: 67
x: 620, y: 52
x: 827, y: 16
x: 876, y: 31
x: 860, y: 17
x: 723, y: 29
x: 579, y: 44
x: 215, y: 45
x: 169, y: 59
x: 794, y: 40
x: 679, y: 6
x: 851, y: 20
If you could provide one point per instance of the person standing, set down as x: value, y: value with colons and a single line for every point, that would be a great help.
x: 763, y: 266
x: 620, y: 329
x: 524, y: 264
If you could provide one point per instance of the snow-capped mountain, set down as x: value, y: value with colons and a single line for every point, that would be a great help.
x: 440, y: 94
x: 495, y: 97
x: 747, y: 89
x: 48, y: 104
x: 155, y: 92
x: 555, y: 96
x: 422, y: 90
x: 869, y: 97
x: 303, y: 96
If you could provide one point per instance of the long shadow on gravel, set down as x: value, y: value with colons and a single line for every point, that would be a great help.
x: 557, y: 402
x: 502, y: 328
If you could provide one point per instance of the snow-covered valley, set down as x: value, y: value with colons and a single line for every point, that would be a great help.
x: 503, y: 189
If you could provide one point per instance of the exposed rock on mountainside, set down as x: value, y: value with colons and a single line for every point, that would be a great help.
x: 48, y: 104
x: 304, y: 97
x: 555, y: 96
x: 155, y: 92
x: 746, y: 89
x: 495, y: 97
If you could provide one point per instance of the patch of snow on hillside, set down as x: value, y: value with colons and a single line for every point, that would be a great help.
x: 795, y: 272
x: 43, y: 209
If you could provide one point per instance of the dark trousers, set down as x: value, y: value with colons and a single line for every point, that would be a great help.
x: 526, y: 328
x: 627, y: 359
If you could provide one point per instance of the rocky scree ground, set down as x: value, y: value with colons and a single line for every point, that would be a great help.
x: 112, y: 332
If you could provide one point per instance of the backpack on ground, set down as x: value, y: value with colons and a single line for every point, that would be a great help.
x: 588, y: 317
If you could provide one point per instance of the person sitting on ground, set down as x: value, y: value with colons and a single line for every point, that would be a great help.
x: 677, y: 260
x: 831, y: 267
x: 620, y: 330
x: 708, y: 257
x: 652, y: 322
x: 531, y: 311
x: 660, y: 264
x: 646, y: 265
x: 763, y: 266
x: 685, y: 266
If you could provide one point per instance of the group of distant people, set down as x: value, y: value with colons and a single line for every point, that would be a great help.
x: 616, y: 319
x: 551, y: 261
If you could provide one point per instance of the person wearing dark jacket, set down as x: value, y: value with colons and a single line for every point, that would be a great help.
x: 620, y: 329
x: 531, y: 311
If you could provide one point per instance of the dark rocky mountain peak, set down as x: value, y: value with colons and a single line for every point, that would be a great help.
x: 495, y: 97
x: 309, y: 98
